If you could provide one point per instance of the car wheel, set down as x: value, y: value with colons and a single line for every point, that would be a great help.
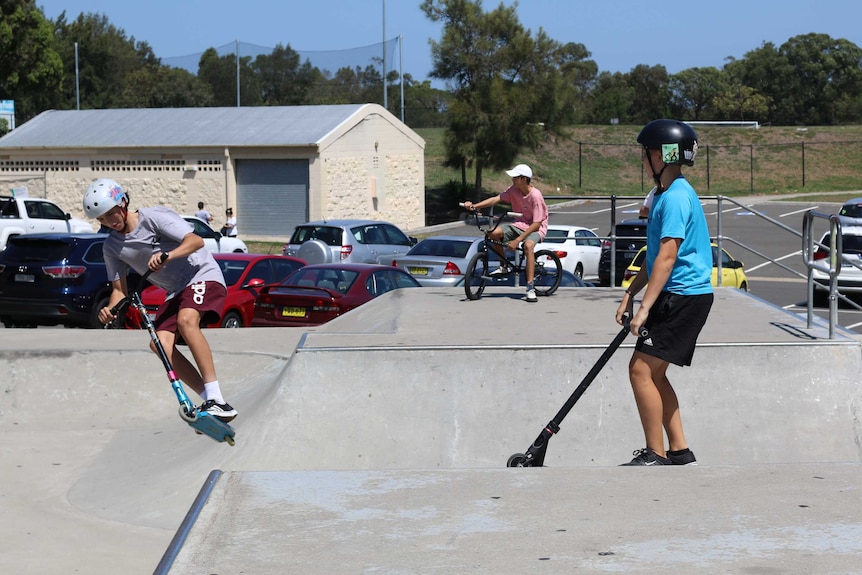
x: 579, y: 271
x: 231, y: 319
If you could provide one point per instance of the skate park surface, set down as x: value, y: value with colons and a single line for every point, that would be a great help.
x: 377, y: 444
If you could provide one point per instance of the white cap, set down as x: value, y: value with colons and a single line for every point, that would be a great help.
x: 520, y: 170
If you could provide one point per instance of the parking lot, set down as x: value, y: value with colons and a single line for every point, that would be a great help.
x: 768, y: 280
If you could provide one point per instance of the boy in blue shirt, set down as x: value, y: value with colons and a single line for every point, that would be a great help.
x: 677, y: 275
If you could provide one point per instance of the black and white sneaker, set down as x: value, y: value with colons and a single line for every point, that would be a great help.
x: 222, y: 411
x: 648, y: 457
x: 501, y: 271
x: 682, y: 457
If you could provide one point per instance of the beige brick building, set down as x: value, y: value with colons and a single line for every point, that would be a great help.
x: 276, y: 166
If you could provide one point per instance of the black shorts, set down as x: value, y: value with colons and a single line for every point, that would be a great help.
x: 674, y: 324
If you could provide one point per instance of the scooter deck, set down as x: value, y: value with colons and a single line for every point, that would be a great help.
x: 212, y: 427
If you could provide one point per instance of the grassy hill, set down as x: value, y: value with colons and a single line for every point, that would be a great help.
x: 605, y: 160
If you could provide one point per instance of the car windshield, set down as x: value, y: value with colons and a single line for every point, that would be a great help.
x: 329, y: 235
x: 851, y: 210
x: 442, y: 248
x: 629, y: 231
x: 849, y: 243
x: 22, y: 249
x: 334, y: 279
x: 232, y: 270
x: 555, y: 236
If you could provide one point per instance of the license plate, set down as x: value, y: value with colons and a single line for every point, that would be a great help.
x: 293, y: 312
x: 29, y: 278
x: 418, y: 271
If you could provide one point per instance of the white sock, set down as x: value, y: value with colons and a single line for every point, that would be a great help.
x: 212, y: 391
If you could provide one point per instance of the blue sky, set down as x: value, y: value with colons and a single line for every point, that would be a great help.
x: 620, y: 34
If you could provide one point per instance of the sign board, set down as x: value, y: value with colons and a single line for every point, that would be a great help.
x: 7, y: 110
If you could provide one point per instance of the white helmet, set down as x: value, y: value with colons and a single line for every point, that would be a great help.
x: 101, y: 196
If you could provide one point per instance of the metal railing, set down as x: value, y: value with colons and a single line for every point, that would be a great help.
x: 805, y: 237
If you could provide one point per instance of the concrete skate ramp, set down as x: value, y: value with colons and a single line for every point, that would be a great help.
x: 97, y: 463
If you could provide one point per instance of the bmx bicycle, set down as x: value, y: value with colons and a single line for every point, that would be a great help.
x: 547, y: 271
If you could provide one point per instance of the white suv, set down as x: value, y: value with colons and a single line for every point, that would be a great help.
x: 850, y: 276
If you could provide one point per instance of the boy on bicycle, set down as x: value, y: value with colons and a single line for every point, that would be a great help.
x: 528, y: 229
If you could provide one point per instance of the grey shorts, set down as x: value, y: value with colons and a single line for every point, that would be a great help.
x: 674, y: 324
x: 510, y: 232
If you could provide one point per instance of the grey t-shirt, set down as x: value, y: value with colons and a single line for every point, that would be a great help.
x: 159, y: 230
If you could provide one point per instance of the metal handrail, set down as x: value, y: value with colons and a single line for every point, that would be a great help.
x: 807, y: 241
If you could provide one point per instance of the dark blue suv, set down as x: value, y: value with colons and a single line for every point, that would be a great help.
x: 54, y: 279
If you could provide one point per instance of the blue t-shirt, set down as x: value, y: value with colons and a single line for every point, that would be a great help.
x: 677, y: 213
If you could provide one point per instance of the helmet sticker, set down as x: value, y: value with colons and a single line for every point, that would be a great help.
x: 116, y: 193
x: 690, y: 154
x: 670, y: 153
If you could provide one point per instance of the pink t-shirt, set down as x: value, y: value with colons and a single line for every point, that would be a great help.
x: 532, y: 206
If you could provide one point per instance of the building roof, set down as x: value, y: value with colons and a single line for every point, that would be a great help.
x: 192, y: 127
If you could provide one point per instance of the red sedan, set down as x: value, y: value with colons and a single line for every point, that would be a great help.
x: 244, y: 275
x: 316, y: 294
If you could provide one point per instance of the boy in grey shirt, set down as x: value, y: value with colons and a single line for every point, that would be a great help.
x: 190, y: 276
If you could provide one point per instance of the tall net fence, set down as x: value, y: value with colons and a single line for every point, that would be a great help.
x: 328, y: 61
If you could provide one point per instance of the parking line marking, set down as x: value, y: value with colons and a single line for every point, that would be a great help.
x: 798, y: 212
x: 764, y: 264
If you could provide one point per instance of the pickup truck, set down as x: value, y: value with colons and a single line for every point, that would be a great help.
x: 25, y: 215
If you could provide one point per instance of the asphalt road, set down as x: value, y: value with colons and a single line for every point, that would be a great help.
x: 740, y: 225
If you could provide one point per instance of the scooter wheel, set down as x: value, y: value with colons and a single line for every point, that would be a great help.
x: 517, y: 460
x: 189, y: 417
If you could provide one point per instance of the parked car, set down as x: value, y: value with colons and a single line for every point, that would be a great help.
x: 732, y: 274
x: 439, y: 261
x: 631, y: 236
x: 348, y: 241
x: 319, y: 293
x: 54, y: 279
x: 213, y: 240
x: 244, y: 275
x: 850, y: 277
x: 578, y: 248
x: 25, y: 215
x: 851, y: 212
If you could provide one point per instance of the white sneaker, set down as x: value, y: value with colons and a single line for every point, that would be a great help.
x: 531, y: 295
x: 500, y: 271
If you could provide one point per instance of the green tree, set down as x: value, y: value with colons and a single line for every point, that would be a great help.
x: 164, y: 87
x: 107, y: 60
x: 650, y: 91
x: 737, y: 102
x: 693, y: 91
x: 610, y: 99
x: 283, y: 80
x: 30, y: 68
x: 220, y: 73
x: 506, y: 85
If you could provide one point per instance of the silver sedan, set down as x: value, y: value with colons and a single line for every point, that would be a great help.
x: 439, y: 261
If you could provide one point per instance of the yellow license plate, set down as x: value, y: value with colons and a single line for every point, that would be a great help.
x: 293, y: 312
x: 418, y: 271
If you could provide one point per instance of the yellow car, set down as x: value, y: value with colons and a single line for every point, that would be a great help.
x: 732, y: 274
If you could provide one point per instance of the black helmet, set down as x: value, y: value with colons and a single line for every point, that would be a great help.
x: 676, y: 140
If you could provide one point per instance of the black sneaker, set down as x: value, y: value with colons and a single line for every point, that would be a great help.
x: 682, y: 457
x: 222, y: 411
x: 647, y: 456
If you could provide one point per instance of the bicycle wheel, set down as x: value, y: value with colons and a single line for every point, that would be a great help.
x: 549, y: 272
x: 474, y: 277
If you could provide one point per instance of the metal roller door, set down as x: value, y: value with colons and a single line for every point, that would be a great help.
x: 272, y: 196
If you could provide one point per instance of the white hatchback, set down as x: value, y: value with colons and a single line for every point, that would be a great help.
x: 579, y: 249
